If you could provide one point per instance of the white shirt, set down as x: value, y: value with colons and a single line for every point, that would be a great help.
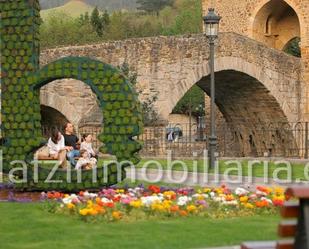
x: 81, y: 162
x: 88, y: 147
x: 55, y: 148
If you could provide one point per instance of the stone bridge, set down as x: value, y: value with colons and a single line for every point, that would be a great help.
x: 255, y: 84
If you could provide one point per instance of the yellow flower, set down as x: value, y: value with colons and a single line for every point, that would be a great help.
x: 136, y: 204
x: 89, y: 204
x: 70, y: 206
x: 93, y: 212
x: 169, y: 195
x: 278, y: 191
x: 243, y: 199
x: 167, y: 204
x: 157, y: 206
x: 121, y: 191
x: 191, y: 208
x: 83, y: 212
x: 219, y: 191
x: 206, y: 190
x: 248, y: 205
x: 280, y: 197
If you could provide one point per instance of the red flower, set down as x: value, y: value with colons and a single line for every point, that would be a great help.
x: 116, y: 199
x: 109, y: 204
x: 154, y: 189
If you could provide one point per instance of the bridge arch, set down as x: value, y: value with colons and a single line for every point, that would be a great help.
x: 275, y: 22
x: 249, y: 103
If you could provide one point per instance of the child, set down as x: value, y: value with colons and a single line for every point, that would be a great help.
x: 84, y: 162
x: 87, y: 145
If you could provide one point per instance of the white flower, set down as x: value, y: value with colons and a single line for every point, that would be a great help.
x: 212, y: 194
x: 105, y: 200
x: 90, y: 195
x: 266, y: 199
x: 230, y: 203
x: 183, y: 200
x: 219, y: 199
x: 69, y: 199
x: 149, y: 200
x: 258, y: 192
x: 241, y: 191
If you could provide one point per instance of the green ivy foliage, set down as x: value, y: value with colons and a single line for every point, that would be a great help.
x: 21, y: 81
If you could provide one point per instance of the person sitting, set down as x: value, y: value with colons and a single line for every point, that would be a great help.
x: 87, y: 145
x: 72, y: 142
x: 84, y: 162
x: 57, y: 148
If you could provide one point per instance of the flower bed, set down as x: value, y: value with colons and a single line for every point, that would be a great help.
x: 158, y: 202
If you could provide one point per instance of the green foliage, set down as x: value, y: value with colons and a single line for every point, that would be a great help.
x: 184, y: 17
x: 187, y: 20
x: 153, y: 6
x: 99, y: 22
x: 60, y: 28
x: 192, y: 102
x: 110, y: 5
x: 293, y: 47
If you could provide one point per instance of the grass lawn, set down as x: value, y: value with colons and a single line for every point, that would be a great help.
x: 299, y: 171
x: 28, y: 226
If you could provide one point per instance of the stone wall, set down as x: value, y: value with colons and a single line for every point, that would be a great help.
x: 255, y: 84
x: 169, y: 66
x: 287, y: 18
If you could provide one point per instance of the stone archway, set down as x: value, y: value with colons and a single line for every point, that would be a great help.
x: 51, y: 118
x: 73, y: 98
x: 253, y: 110
x: 275, y: 24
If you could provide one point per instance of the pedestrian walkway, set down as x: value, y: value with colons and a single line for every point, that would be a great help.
x: 205, y: 179
x: 227, y: 247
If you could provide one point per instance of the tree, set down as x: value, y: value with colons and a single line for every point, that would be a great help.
x: 96, y: 21
x: 293, y: 47
x: 84, y: 19
x: 153, y: 5
x: 192, y: 103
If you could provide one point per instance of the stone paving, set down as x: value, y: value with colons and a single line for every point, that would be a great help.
x: 205, y: 179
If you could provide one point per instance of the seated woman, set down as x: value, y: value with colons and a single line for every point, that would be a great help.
x: 56, y: 147
x: 87, y: 145
x: 85, y: 162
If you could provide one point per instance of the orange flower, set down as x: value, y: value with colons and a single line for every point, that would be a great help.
x: 174, y: 208
x: 99, y: 209
x: 229, y: 197
x: 183, y: 213
x: 117, y: 215
x: 262, y: 203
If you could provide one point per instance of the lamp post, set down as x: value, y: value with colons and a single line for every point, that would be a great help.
x: 211, y: 31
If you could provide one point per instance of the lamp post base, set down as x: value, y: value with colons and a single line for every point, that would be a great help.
x: 212, y: 151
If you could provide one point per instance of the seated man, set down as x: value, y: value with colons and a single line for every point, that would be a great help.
x: 72, y: 142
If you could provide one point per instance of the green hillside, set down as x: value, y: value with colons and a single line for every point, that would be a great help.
x: 74, y: 8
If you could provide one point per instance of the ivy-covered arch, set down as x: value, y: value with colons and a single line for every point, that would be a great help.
x: 117, y: 98
x: 21, y: 119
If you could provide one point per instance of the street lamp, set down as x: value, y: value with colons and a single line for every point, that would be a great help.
x: 211, y: 31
